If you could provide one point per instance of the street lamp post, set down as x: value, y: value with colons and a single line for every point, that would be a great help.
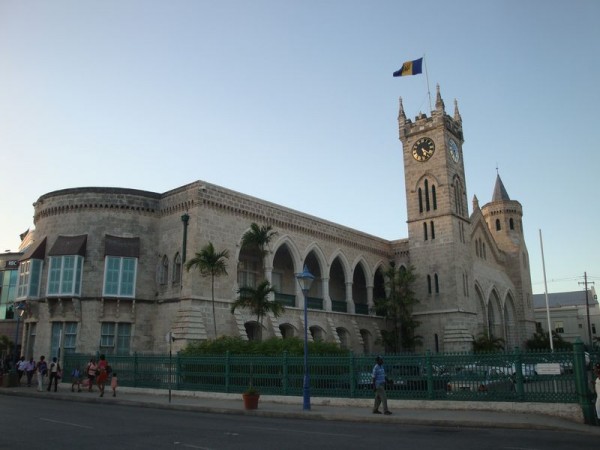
x: 18, y: 310
x: 305, y: 280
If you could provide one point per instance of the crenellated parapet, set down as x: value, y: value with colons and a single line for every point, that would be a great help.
x: 438, y: 119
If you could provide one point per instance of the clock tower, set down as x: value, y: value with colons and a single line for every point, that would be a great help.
x: 438, y: 226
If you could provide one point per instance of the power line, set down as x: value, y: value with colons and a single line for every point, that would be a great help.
x: 587, y: 306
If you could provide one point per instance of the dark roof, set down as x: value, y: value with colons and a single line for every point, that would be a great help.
x: 35, y: 251
x: 121, y: 246
x: 575, y: 298
x: 500, y: 193
x: 69, y: 245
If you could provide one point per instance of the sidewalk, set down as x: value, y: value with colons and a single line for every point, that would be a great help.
x: 442, y: 414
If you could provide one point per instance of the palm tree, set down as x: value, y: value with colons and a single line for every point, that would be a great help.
x: 258, y: 237
x: 257, y: 301
x: 398, y: 307
x: 213, y: 263
x: 488, y: 343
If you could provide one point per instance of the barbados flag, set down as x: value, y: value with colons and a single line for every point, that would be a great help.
x: 410, y: 68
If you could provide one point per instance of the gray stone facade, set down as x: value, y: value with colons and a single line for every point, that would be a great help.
x: 472, y: 277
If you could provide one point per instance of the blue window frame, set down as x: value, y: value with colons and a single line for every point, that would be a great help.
x: 30, y: 274
x: 119, y: 276
x: 64, y: 276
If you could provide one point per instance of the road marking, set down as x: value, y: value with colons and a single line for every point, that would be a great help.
x: 520, y: 448
x: 300, y: 431
x: 65, y: 423
x: 190, y: 446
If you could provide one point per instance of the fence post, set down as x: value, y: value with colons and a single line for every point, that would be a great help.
x: 177, y: 372
x: 519, y: 374
x: 284, y: 375
x: 227, y: 371
x: 581, y: 383
x: 135, y: 369
x: 429, y: 374
x: 351, y: 364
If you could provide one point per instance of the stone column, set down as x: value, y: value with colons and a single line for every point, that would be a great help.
x: 349, y: 300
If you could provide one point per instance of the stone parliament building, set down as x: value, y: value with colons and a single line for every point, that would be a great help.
x: 104, y: 267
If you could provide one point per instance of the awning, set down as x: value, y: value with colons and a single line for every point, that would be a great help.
x: 35, y: 251
x: 69, y: 245
x: 121, y: 246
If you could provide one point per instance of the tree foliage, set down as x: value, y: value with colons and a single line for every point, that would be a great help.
x: 397, y: 309
x: 6, y: 345
x: 487, y: 343
x: 258, y: 238
x: 541, y: 341
x: 257, y: 301
x: 270, y: 347
x: 210, y: 263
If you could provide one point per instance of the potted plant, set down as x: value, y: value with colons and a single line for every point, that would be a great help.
x: 251, y: 396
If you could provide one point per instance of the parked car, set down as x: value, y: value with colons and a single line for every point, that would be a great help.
x: 413, y: 377
x: 507, y: 368
x: 480, y: 379
x: 527, y: 369
x: 567, y: 366
x: 364, y: 380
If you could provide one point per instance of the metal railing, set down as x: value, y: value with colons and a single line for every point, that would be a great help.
x: 508, y: 376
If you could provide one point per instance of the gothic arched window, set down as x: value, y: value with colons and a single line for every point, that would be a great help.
x: 163, y: 271
x: 427, y: 207
x: 176, y: 279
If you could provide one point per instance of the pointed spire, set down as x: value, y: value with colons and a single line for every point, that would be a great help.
x: 401, y: 115
x: 500, y: 193
x: 439, y: 103
x: 457, y: 116
x: 475, y: 203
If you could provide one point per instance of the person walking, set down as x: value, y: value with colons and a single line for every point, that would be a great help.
x: 90, y: 371
x: 114, y: 383
x: 76, y: 379
x: 102, y: 374
x: 42, y: 371
x: 54, y: 374
x: 21, y: 363
x: 597, y: 389
x: 379, y: 387
x: 30, y: 370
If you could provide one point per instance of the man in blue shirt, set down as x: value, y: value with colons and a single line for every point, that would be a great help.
x: 379, y: 387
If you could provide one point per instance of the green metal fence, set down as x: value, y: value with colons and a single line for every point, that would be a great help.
x: 559, y: 377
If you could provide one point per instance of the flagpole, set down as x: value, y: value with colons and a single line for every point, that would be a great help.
x: 546, y: 292
x: 427, y: 77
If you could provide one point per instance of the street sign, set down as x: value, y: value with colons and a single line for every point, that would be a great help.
x: 548, y: 369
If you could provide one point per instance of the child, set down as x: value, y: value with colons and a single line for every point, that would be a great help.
x: 76, y: 379
x: 113, y: 384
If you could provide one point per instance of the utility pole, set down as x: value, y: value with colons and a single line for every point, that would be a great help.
x: 587, y: 307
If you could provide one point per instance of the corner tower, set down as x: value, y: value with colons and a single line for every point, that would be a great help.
x: 504, y: 218
x: 438, y: 225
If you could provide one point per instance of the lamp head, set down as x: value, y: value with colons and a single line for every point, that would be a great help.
x: 305, y: 280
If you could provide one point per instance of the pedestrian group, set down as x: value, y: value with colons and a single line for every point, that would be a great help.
x: 49, y: 375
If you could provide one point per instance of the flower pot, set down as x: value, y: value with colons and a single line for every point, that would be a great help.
x: 250, y: 401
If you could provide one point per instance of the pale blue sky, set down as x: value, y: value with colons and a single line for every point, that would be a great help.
x: 295, y: 103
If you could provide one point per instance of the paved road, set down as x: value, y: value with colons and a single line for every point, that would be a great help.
x: 45, y: 422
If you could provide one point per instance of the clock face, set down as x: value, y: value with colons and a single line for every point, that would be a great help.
x: 453, y: 149
x: 423, y: 149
